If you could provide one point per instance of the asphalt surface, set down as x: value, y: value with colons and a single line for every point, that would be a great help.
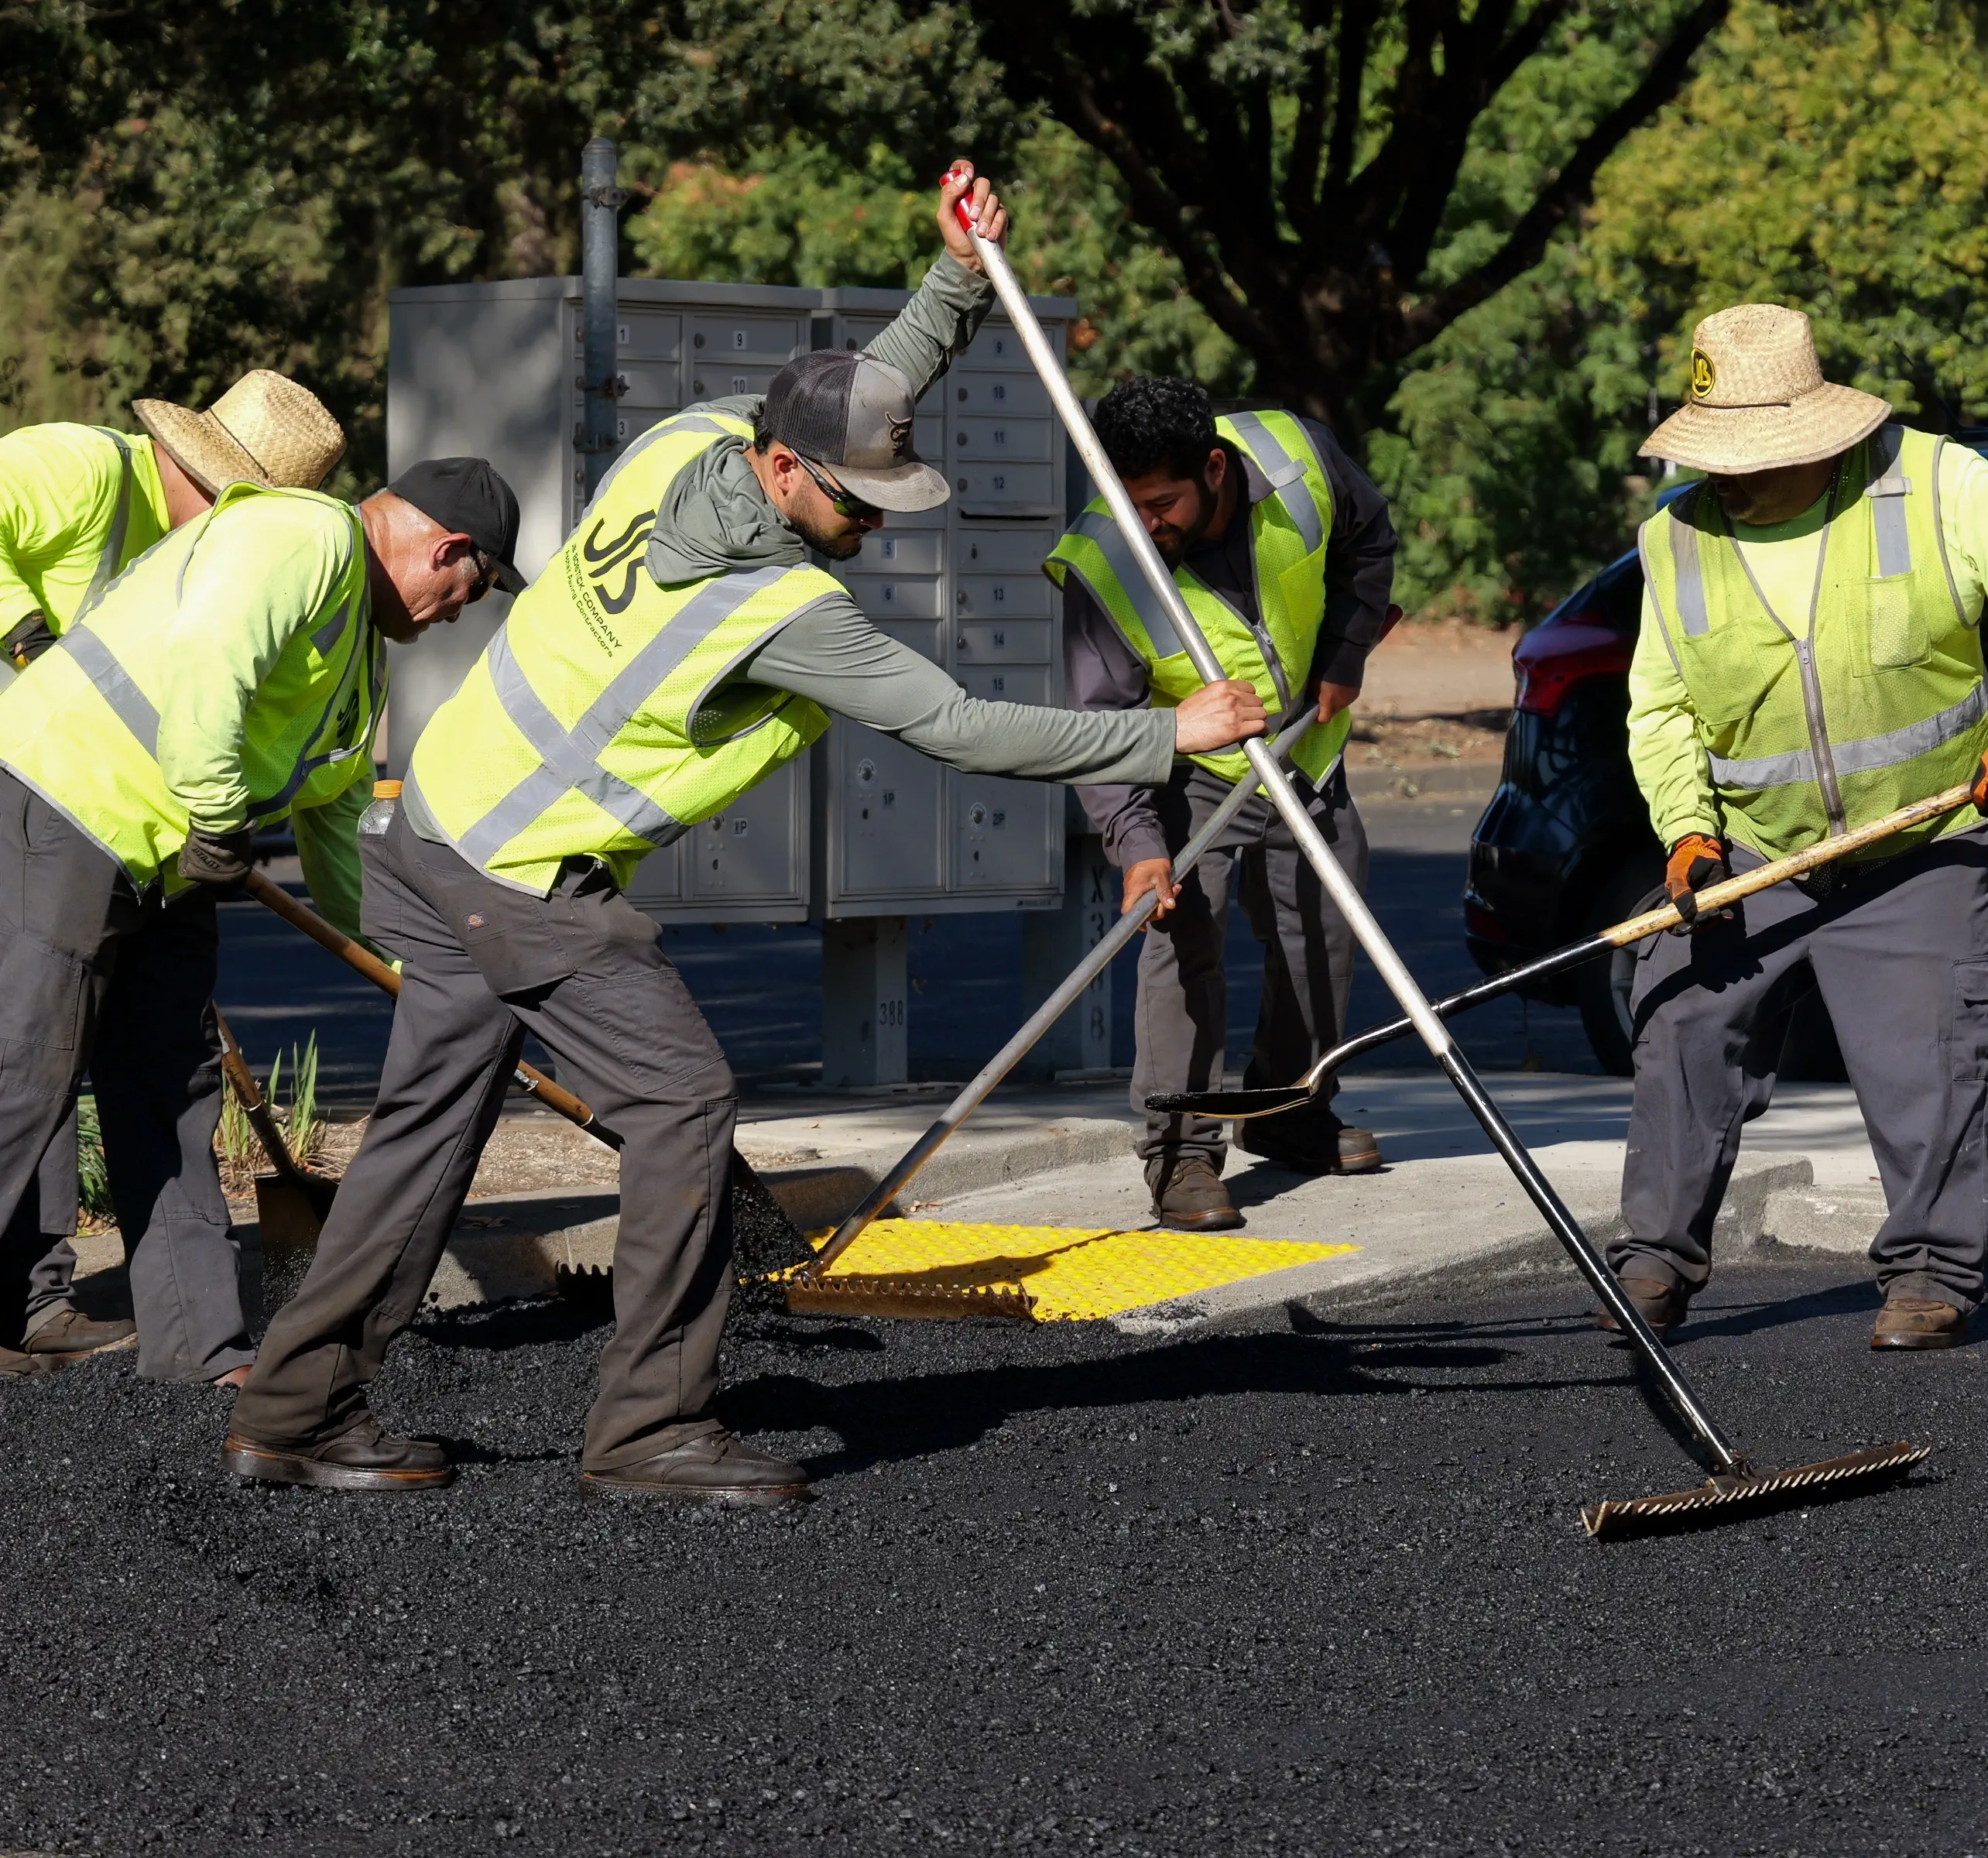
x: 760, y: 986
x: 1321, y: 1590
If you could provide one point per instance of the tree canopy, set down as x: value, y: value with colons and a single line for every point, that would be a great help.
x: 1491, y: 304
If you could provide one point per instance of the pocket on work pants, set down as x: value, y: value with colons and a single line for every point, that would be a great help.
x: 1967, y: 1023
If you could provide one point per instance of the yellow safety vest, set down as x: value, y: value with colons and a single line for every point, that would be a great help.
x: 1288, y: 531
x: 1880, y: 705
x: 599, y: 723
x: 82, y: 726
x: 120, y: 513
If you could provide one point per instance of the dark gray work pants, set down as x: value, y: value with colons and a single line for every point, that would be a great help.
x: 93, y: 977
x: 50, y: 1206
x: 1182, y: 1015
x: 1899, y: 951
x: 584, y: 972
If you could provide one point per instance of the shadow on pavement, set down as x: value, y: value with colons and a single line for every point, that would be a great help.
x: 890, y: 1419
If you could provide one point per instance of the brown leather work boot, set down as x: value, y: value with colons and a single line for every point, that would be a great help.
x: 363, y: 1457
x: 1662, y: 1306
x: 72, y: 1335
x: 717, y: 1467
x: 1339, y: 1149
x: 1918, y: 1322
x: 1188, y: 1196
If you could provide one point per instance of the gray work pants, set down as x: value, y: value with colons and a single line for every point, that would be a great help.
x: 50, y: 1207
x: 1899, y: 951
x: 584, y: 972
x: 95, y: 977
x: 1182, y: 1015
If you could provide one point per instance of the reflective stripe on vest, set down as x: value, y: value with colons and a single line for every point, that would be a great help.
x: 133, y: 708
x: 1282, y: 471
x: 1864, y: 757
x: 1102, y: 527
x: 658, y: 740
x: 572, y: 756
x: 107, y: 563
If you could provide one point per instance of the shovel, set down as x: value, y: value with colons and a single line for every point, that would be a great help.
x: 1734, y: 1488
x: 292, y: 1203
x: 1239, y: 1106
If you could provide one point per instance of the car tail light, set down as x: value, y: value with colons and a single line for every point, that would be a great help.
x: 1550, y: 659
x: 1479, y: 921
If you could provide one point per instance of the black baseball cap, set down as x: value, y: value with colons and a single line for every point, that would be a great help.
x: 467, y: 497
x: 854, y: 414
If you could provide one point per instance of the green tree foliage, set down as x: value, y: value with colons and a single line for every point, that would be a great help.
x: 795, y: 213
x: 1342, y: 180
x: 187, y: 191
x: 1832, y: 163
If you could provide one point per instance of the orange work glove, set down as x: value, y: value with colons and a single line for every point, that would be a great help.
x: 1979, y: 795
x: 1696, y: 860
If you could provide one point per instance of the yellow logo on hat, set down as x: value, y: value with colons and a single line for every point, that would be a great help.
x: 1705, y: 377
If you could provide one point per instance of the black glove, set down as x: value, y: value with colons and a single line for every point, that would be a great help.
x: 28, y: 640
x: 217, y: 858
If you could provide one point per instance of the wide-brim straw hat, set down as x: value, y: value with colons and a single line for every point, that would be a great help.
x: 1758, y: 400
x: 265, y: 429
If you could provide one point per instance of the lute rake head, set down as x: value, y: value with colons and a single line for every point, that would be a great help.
x: 1727, y: 1496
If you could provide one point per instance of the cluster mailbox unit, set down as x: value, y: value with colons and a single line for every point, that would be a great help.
x: 863, y: 831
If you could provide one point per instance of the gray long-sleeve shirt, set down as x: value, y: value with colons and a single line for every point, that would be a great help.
x: 1104, y: 672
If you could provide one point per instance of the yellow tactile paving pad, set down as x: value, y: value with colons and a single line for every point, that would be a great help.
x: 1071, y: 1273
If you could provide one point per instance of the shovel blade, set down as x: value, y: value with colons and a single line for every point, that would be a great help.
x: 1727, y: 1499
x: 1228, y: 1106
x: 291, y: 1212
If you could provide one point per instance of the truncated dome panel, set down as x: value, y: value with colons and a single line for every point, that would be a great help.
x: 1068, y: 1274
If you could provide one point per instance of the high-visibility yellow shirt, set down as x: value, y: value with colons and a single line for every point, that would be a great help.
x: 78, y: 505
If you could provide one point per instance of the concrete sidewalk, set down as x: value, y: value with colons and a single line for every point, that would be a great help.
x: 1062, y: 1157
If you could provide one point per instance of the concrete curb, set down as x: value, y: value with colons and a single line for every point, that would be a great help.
x: 1825, y: 1220
x: 1518, y: 1245
x: 814, y: 1197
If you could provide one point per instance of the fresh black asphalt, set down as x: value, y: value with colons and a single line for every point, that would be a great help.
x: 1317, y: 1589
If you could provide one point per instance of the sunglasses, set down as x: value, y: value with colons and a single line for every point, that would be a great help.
x: 486, y: 576
x: 840, y: 501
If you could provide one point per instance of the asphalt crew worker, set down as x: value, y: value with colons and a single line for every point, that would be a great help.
x: 233, y: 675
x: 677, y: 650
x: 1283, y: 550
x: 1810, y: 660
x: 78, y: 505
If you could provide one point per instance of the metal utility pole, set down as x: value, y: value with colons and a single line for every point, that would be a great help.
x: 600, y: 221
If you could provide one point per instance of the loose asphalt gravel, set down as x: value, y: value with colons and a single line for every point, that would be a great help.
x: 1320, y: 1590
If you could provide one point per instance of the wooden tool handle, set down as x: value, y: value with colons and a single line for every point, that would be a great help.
x: 242, y: 1080
x: 300, y: 916
x: 1826, y: 852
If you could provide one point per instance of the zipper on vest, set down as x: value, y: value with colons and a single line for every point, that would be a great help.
x: 1818, y: 733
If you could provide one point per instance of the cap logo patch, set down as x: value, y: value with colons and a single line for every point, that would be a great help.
x: 1705, y: 377
x: 900, y: 436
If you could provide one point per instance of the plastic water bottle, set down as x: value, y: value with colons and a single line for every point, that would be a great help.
x: 374, y: 821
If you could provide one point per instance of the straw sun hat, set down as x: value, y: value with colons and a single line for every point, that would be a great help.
x: 265, y: 429
x: 1758, y: 399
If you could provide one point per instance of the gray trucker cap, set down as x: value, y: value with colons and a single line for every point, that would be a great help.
x: 853, y: 415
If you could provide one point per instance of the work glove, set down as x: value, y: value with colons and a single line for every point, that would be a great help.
x: 1978, y: 793
x: 28, y: 640
x: 1696, y: 860
x: 217, y: 858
